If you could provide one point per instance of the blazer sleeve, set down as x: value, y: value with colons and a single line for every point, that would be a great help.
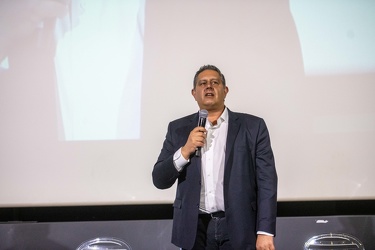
x: 266, y: 177
x: 164, y: 173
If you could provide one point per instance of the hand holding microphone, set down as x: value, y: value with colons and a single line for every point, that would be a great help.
x: 197, y: 137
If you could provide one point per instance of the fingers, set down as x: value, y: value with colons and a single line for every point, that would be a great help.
x: 265, y: 242
x: 197, y: 138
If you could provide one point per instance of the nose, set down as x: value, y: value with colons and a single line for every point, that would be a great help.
x: 209, y: 85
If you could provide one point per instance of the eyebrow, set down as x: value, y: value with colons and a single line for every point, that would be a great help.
x: 211, y: 79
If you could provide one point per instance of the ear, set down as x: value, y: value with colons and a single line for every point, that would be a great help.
x: 226, y: 90
x: 193, y: 93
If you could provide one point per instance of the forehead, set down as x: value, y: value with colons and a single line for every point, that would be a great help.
x: 208, y: 74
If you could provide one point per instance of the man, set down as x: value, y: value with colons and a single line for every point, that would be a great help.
x: 225, y: 199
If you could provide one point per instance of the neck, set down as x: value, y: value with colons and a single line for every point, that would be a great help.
x: 213, y: 115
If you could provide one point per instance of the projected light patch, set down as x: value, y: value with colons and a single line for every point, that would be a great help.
x: 4, y: 64
x: 99, y: 67
x: 336, y: 37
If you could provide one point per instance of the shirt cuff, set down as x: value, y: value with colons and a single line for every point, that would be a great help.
x: 264, y: 233
x: 179, y: 161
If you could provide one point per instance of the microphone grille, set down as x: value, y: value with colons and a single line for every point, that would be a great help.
x: 203, y: 113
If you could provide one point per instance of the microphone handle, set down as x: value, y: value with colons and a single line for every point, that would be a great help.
x: 198, y: 152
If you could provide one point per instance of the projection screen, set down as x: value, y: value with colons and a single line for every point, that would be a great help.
x: 88, y: 87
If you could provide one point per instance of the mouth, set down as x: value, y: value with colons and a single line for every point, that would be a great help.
x: 209, y: 94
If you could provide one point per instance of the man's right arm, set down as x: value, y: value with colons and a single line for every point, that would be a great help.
x: 171, y: 162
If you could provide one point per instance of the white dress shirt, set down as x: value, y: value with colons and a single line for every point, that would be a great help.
x: 213, y: 161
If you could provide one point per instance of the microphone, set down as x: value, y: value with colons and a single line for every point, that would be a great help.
x: 201, y: 123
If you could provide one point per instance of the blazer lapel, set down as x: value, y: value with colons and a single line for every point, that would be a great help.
x: 233, y: 127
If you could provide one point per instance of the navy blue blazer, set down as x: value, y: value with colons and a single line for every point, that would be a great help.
x: 250, y: 181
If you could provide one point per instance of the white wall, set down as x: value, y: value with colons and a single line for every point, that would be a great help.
x: 307, y: 68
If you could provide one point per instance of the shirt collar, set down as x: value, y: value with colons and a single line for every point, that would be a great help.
x: 223, y: 118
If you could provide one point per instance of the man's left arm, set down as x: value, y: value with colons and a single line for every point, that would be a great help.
x: 267, y: 184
